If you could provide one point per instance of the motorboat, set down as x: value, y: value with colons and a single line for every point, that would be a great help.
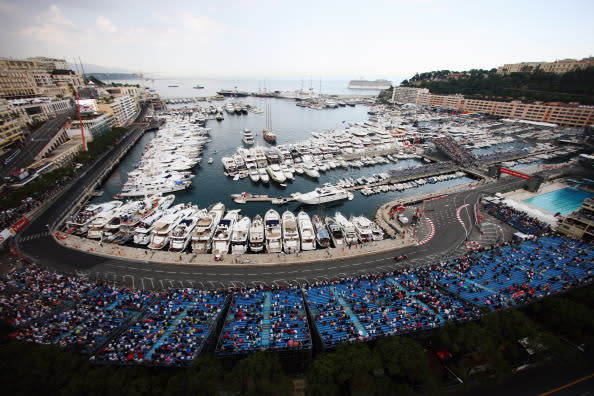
x: 254, y: 174
x: 181, y: 235
x: 256, y: 238
x: 205, y: 228
x: 322, y: 235
x: 363, y: 228
x: 222, y: 235
x: 239, y: 235
x: 79, y: 223
x: 350, y: 233
x: 273, y: 232
x: 142, y: 232
x: 321, y: 195
x: 98, y: 223
x: 291, y: 241
x: 310, y: 170
x: 247, y: 137
x: 306, y: 231
x: 336, y: 233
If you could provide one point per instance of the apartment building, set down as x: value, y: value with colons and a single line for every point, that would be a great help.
x: 94, y: 125
x: 559, y: 66
x: 405, y: 95
x: 41, y: 109
x: 12, y: 126
x: 33, y: 77
x: 122, y: 108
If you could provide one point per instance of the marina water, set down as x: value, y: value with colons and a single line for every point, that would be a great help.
x: 291, y: 124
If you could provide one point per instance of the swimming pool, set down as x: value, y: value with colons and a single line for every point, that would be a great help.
x: 564, y: 201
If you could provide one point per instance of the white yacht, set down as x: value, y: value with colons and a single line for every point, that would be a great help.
x: 239, y: 236
x: 363, y: 228
x: 272, y: 222
x: 166, y: 224
x: 205, y: 227
x: 256, y: 241
x: 181, y: 235
x: 142, y: 232
x: 276, y: 173
x: 321, y: 195
x: 290, y: 233
x: 229, y: 165
x: 254, y: 174
x: 350, y: 234
x: 376, y: 232
x: 335, y: 232
x: 247, y: 137
x: 322, y: 235
x: 310, y: 170
x: 306, y: 231
x: 222, y: 235
x: 264, y: 178
x: 79, y: 223
x: 100, y: 221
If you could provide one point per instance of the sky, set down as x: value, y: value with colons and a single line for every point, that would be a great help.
x: 285, y: 39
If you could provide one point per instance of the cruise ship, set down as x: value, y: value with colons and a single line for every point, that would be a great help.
x: 370, y: 84
x: 205, y: 228
x: 272, y: 222
x: 322, y: 195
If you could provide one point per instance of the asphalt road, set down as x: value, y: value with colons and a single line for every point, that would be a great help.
x: 452, y: 219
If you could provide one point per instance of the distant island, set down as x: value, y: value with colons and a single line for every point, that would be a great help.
x: 114, y: 76
x: 370, y: 84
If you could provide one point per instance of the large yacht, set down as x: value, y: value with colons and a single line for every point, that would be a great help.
x: 363, y: 227
x: 276, y: 173
x: 321, y: 195
x: 335, y: 232
x: 310, y: 170
x: 264, y: 178
x: 350, y: 234
x: 142, y: 232
x: 290, y: 233
x: 222, y: 235
x: 98, y: 224
x: 257, y: 234
x: 322, y: 235
x: 164, y: 226
x: 181, y: 235
x: 205, y: 227
x: 306, y: 231
x: 79, y: 223
x: 247, y: 137
x: 239, y: 236
x: 272, y: 222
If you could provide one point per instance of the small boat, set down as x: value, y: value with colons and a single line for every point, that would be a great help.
x: 210, y: 160
x: 173, y: 86
x: 256, y: 238
x: 198, y: 86
x: 290, y: 233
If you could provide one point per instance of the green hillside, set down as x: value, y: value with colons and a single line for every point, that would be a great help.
x: 575, y: 86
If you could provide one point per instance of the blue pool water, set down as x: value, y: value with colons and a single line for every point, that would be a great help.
x: 564, y: 201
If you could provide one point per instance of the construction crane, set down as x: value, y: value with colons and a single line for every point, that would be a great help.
x: 143, y: 77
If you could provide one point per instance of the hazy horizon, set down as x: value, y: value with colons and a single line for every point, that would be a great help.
x: 280, y: 39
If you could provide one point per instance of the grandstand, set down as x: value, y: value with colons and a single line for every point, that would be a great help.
x: 121, y: 326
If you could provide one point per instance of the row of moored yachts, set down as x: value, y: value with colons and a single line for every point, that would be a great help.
x: 156, y: 223
x: 167, y: 160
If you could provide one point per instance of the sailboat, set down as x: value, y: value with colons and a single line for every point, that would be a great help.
x: 267, y: 132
